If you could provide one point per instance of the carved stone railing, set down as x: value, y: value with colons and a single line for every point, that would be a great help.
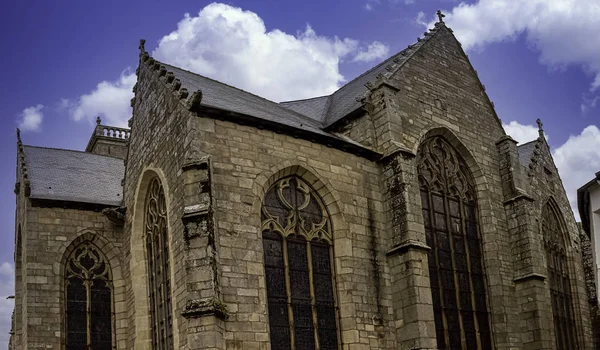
x: 104, y: 132
x: 113, y: 132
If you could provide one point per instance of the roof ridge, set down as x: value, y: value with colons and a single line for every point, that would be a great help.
x: 526, y: 143
x: 244, y: 91
x: 70, y: 150
x: 304, y: 99
x: 428, y: 35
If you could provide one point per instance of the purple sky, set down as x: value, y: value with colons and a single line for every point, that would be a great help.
x: 68, y: 61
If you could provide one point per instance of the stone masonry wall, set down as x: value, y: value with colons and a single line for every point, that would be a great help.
x: 155, y: 149
x: 440, y: 94
x: 545, y: 185
x: 245, y: 161
x: 47, y: 234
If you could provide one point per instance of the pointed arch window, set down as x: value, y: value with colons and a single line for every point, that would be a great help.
x: 298, y: 258
x: 89, y: 307
x: 159, y: 281
x: 558, y: 278
x: 456, y: 269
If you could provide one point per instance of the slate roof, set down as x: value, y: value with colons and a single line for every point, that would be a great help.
x: 314, y: 108
x: 225, y: 97
x: 344, y: 101
x: 526, y: 152
x: 313, y: 114
x: 74, y: 176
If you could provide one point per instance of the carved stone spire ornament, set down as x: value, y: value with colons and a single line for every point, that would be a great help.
x: 440, y: 16
x: 142, y: 46
x: 98, y: 120
x: 540, y: 129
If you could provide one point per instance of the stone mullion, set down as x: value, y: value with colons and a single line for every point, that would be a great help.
x: 407, y: 256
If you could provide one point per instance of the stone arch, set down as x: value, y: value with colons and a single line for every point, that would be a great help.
x: 570, y: 260
x: 341, y: 235
x: 460, y: 147
x: 474, y: 197
x: 552, y: 205
x: 113, y: 257
x: 327, y: 193
x: 139, y: 261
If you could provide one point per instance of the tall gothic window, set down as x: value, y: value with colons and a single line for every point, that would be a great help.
x: 159, y: 282
x: 558, y: 277
x: 88, y: 300
x: 455, y: 263
x: 298, y: 253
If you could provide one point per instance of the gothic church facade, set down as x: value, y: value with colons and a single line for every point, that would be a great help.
x: 393, y: 214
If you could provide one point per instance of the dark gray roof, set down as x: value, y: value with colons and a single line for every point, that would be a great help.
x: 74, y: 176
x: 344, y: 101
x: 225, y: 97
x: 315, y: 108
x: 312, y: 115
x: 526, y: 152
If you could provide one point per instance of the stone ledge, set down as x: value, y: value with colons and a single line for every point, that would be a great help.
x: 529, y: 276
x: 208, y: 307
x: 518, y: 197
x: 403, y: 247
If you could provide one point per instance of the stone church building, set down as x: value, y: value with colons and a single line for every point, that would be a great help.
x: 394, y: 213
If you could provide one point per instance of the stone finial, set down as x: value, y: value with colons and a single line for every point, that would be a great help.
x: 540, y: 125
x: 440, y: 16
x: 142, y: 46
x: 98, y: 120
x: 18, y: 135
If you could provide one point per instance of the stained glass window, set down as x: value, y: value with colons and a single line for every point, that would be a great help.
x: 457, y: 276
x: 88, y: 300
x: 297, y: 245
x: 558, y: 278
x: 159, y: 281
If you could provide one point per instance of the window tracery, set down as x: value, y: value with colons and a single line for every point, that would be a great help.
x: 88, y: 300
x: 558, y: 279
x: 456, y: 270
x: 159, y: 281
x: 297, y: 242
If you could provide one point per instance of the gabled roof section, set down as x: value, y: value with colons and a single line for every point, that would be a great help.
x: 347, y: 98
x: 228, y: 98
x: 314, y: 108
x: 526, y: 152
x: 74, y: 176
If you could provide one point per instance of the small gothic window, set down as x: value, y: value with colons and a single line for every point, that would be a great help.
x: 159, y: 281
x: 558, y: 278
x: 89, y: 300
x: 456, y: 270
x: 298, y: 259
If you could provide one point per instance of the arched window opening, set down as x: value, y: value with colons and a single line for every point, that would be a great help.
x: 159, y: 280
x: 456, y: 269
x: 558, y: 279
x: 298, y: 257
x: 89, y: 309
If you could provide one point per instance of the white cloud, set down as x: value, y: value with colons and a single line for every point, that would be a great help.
x: 233, y: 46
x: 371, y: 3
x: 562, y: 31
x: 110, y: 100
x: 577, y: 161
x: 421, y: 19
x: 7, y: 287
x: 376, y: 50
x: 31, y: 118
x: 522, y: 133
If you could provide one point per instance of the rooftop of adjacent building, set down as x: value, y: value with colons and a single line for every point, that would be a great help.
x: 65, y: 175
